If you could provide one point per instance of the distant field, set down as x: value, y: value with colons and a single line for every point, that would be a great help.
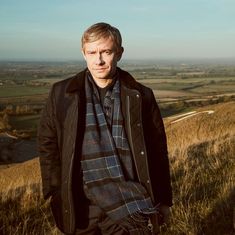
x: 177, y: 87
x: 24, y: 121
x: 166, y: 94
x: 215, y: 88
x: 191, y: 86
x: 173, y: 86
x: 187, y: 80
x: 48, y: 80
x: 20, y: 90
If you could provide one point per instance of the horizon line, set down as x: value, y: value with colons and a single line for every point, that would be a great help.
x: 122, y: 60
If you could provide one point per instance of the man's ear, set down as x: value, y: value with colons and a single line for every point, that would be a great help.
x: 119, y: 53
x: 83, y: 53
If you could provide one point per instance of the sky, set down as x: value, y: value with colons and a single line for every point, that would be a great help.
x: 151, y: 29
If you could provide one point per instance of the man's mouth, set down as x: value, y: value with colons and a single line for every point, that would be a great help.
x: 100, y: 69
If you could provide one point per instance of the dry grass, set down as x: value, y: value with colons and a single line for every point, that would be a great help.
x: 23, y: 210
x: 201, y: 151
x: 20, y: 174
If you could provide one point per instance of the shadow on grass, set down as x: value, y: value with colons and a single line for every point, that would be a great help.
x: 23, y: 211
x: 204, y: 190
x: 212, y: 172
x: 221, y: 217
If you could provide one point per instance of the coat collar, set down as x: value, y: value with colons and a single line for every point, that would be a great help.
x: 77, y: 82
x: 128, y: 81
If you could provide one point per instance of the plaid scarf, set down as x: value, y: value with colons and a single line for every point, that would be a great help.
x: 107, y: 161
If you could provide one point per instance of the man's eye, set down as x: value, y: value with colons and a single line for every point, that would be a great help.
x: 91, y: 52
x: 108, y: 52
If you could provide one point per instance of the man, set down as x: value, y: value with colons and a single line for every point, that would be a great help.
x: 102, y: 145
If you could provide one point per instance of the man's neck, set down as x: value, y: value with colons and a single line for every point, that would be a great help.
x: 103, y: 82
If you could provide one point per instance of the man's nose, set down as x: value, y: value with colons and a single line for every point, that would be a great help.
x: 99, y: 59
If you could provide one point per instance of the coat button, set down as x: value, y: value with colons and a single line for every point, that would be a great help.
x: 138, y: 96
x: 66, y: 211
x: 142, y: 152
x: 148, y: 181
x: 138, y: 124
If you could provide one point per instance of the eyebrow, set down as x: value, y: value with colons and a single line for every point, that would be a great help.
x: 103, y: 50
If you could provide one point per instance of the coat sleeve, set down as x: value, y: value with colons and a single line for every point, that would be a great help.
x: 157, y: 152
x: 48, y: 148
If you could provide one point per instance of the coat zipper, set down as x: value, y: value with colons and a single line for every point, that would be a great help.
x: 132, y: 147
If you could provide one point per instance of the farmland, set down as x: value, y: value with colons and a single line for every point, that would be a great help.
x: 169, y: 79
x: 178, y: 86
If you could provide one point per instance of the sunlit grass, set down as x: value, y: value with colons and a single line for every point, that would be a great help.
x: 201, y: 153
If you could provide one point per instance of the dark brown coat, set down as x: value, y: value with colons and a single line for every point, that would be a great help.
x: 60, y: 139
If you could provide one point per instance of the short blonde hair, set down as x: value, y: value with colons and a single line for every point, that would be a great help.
x: 102, y: 30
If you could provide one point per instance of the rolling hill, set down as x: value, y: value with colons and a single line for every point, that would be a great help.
x: 201, y: 151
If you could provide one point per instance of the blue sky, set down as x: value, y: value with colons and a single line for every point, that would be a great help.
x: 51, y: 29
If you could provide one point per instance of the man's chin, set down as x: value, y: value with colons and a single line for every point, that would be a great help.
x: 102, y: 76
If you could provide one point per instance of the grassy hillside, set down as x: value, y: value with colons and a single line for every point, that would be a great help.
x: 23, y: 211
x: 201, y: 152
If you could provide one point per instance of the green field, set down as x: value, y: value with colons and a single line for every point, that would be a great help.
x: 200, y: 86
x: 25, y: 122
x: 177, y: 87
x: 21, y: 90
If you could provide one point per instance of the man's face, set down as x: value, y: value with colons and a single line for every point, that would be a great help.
x: 101, y: 57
